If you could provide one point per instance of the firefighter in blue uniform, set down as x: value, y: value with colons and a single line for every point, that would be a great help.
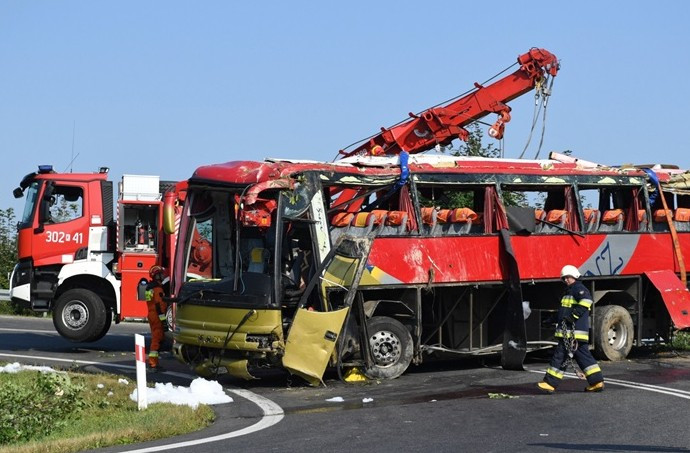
x: 573, y: 319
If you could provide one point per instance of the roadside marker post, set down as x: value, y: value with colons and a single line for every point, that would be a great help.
x: 140, y: 353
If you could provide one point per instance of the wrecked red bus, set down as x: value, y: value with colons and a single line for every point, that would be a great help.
x: 378, y: 262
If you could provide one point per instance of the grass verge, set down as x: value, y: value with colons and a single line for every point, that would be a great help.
x: 69, y: 412
x: 8, y: 307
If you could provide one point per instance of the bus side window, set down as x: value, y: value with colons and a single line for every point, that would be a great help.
x: 623, y: 204
x: 615, y: 209
x: 554, y: 208
x: 451, y: 210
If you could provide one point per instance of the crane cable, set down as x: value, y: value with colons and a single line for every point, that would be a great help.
x: 546, y: 95
x: 537, y: 109
x: 541, y: 97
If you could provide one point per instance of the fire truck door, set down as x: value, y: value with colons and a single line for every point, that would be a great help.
x: 63, y: 224
x: 313, y: 335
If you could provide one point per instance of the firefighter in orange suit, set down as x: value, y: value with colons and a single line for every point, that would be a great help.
x: 156, y: 312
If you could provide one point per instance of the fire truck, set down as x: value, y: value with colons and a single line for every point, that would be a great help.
x: 388, y: 257
x: 82, y: 260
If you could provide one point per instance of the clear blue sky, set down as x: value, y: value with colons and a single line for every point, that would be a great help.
x: 162, y: 87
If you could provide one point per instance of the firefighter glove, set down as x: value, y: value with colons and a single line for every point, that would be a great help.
x: 164, y: 322
x: 569, y: 318
x: 149, y: 294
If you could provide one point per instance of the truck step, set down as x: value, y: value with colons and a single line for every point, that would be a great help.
x: 42, y: 293
x: 40, y: 305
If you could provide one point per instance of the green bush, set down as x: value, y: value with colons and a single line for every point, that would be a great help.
x: 35, y: 410
x: 681, y: 340
x: 8, y: 307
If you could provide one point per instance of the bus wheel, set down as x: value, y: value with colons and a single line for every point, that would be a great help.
x: 613, y: 332
x: 390, y: 345
x: 80, y: 315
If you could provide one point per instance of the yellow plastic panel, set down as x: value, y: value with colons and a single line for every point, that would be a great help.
x: 311, y: 342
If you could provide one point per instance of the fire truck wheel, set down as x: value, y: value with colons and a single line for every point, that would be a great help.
x: 390, y: 344
x: 613, y: 332
x: 79, y: 315
x: 106, y: 326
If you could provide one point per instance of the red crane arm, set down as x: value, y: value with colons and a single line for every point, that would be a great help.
x: 441, y: 125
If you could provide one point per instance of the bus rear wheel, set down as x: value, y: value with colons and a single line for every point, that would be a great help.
x: 390, y: 346
x: 80, y: 315
x: 613, y: 332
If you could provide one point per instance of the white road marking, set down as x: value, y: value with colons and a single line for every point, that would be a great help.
x: 272, y: 413
x: 110, y: 334
x: 8, y: 329
x: 635, y: 385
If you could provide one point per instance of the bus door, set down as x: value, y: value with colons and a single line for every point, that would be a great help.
x: 314, y: 333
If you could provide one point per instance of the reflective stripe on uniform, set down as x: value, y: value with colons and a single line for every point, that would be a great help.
x: 585, y: 303
x: 582, y: 335
x: 153, y: 354
x: 592, y: 369
x: 555, y: 372
x: 567, y: 301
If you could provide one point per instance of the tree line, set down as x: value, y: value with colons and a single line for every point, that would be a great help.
x: 8, y: 246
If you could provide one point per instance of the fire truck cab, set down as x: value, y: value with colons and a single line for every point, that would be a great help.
x: 79, y: 258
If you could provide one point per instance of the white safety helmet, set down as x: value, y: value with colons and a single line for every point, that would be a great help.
x: 570, y: 271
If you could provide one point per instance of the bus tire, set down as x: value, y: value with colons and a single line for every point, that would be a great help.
x: 80, y: 315
x: 613, y: 332
x: 390, y: 346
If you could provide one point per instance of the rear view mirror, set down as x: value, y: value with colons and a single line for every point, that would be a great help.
x: 169, y: 201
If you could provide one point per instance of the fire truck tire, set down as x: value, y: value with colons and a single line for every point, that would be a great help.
x: 390, y: 346
x: 80, y: 315
x: 106, y: 326
x: 613, y: 332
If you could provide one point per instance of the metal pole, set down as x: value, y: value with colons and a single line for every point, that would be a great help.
x: 140, y: 353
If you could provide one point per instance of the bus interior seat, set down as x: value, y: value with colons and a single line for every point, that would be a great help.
x: 682, y: 219
x: 428, y: 219
x: 659, y: 222
x: 442, y: 219
x: 477, y: 226
x: 250, y: 242
x: 364, y: 223
x: 556, y: 218
x: 592, y: 218
x: 395, y: 223
x: 460, y: 221
x: 340, y: 223
x: 539, y: 217
x: 379, y: 222
x: 258, y: 258
x: 612, y: 220
x: 642, y: 219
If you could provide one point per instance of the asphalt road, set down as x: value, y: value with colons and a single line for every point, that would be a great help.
x: 434, y: 407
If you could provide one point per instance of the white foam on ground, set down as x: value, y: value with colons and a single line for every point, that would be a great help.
x: 200, y: 391
x: 16, y: 367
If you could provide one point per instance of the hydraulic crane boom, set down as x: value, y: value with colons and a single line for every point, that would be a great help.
x: 441, y: 125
